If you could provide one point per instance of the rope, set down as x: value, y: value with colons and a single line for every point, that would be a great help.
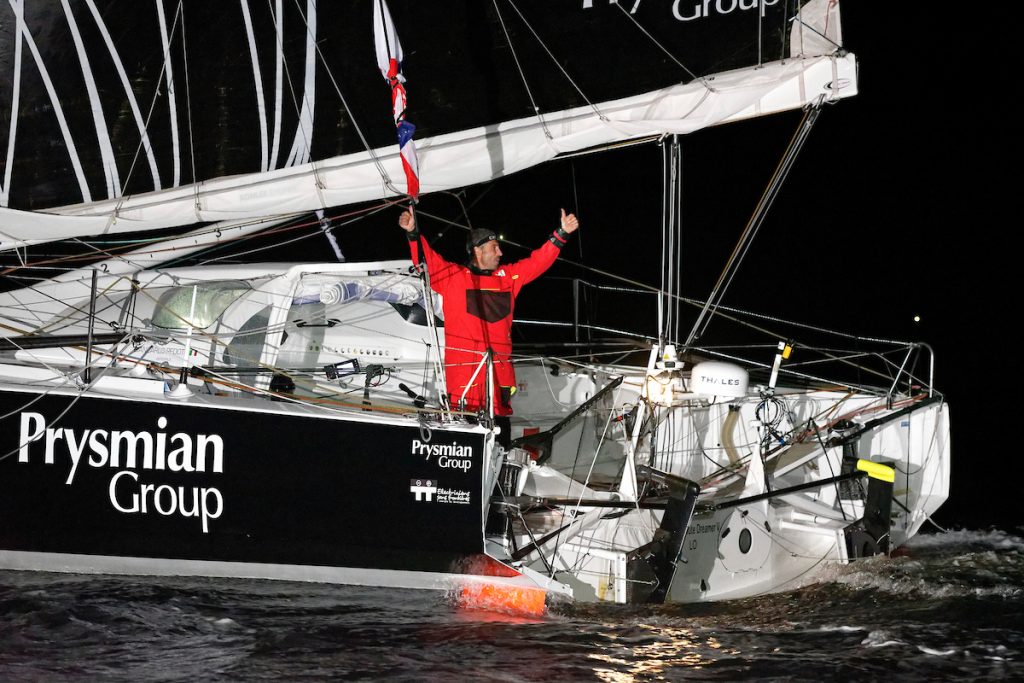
x: 720, y: 309
x: 388, y: 183
x: 188, y: 110
x: 55, y: 421
x: 318, y: 181
x: 756, y: 220
x: 560, y: 68
x: 143, y: 138
x: 522, y: 74
x: 358, y: 216
x: 663, y: 48
x: 586, y: 481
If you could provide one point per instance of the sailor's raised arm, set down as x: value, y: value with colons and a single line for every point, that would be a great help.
x: 439, y: 267
x: 534, y: 265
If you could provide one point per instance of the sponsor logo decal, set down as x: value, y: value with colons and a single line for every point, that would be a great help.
x: 132, y: 453
x: 688, y: 10
x: 429, y: 491
x: 423, y: 489
x: 453, y: 496
x: 451, y: 456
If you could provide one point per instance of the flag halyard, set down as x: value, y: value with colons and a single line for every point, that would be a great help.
x: 389, y: 61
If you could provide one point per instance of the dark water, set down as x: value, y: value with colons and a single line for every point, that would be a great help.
x: 950, y: 608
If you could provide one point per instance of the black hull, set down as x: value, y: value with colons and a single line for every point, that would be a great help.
x: 181, y: 487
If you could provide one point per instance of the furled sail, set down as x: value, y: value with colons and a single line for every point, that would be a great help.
x: 127, y: 116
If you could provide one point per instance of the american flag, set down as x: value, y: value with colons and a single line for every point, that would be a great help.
x: 389, y: 61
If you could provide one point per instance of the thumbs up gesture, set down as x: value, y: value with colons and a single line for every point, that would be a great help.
x: 569, y: 222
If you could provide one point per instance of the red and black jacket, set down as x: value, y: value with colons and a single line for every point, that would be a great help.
x: 478, y: 307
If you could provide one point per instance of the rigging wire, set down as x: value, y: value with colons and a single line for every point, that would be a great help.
x: 586, y: 482
x: 143, y: 138
x: 663, y: 48
x: 54, y: 422
x: 671, y: 243
x: 720, y: 309
x: 522, y: 74
x: 785, y: 22
x: 318, y: 401
x: 641, y: 286
x: 388, y: 182
x: 662, y: 299
x: 576, y: 207
x: 188, y: 112
x: 565, y: 73
x: 813, y: 427
x: 598, y: 149
x: 673, y: 258
x: 756, y: 220
x: 671, y: 296
x: 317, y: 231
x: 318, y: 181
x: 122, y: 246
x: 457, y: 196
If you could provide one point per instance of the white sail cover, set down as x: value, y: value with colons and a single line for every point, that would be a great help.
x: 452, y: 160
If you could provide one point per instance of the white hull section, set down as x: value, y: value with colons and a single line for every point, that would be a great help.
x: 621, y: 452
x: 144, y: 566
x: 735, y: 549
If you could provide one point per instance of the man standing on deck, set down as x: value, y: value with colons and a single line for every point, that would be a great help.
x: 479, y: 298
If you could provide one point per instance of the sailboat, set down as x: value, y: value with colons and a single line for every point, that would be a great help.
x: 164, y: 413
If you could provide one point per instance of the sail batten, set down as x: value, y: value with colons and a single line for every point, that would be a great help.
x: 129, y: 95
x: 24, y: 34
x: 113, y: 180
x: 257, y: 79
x: 301, y: 147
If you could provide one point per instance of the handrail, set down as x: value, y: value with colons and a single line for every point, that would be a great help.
x: 485, y: 361
x: 541, y: 440
x: 930, y: 385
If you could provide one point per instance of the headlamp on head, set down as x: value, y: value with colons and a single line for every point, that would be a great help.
x: 478, y: 237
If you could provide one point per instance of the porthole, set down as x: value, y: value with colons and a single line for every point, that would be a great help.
x: 745, y: 540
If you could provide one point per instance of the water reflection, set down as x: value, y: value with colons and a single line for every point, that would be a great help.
x: 652, y: 651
